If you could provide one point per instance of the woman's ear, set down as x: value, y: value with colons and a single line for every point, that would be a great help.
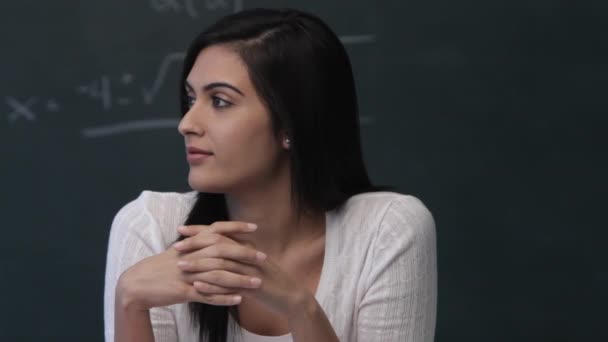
x: 286, y: 142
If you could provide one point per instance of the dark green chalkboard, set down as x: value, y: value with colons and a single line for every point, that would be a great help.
x: 489, y: 111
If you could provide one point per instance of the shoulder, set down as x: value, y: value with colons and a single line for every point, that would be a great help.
x: 388, y: 217
x: 158, y: 206
x: 153, y: 216
x: 386, y: 206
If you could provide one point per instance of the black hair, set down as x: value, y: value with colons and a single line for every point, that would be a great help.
x: 302, y: 73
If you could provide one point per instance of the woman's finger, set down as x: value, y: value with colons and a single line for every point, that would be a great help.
x: 193, y: 229
x: 194, y: 264
x: 214, y: 299
x: 232, y: 251
x: 220, y: 227
x: 224, y: 279
x: 209, y: 235
x: 199, y: 241
x: 208, y: 289
x: 202, y: 241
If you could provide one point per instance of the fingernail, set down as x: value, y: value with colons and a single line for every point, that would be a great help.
x: 255, y: 281
x: 236, y: 299
x: 181, y: 228
x: 252, y: 226
x: 182, y: 263
x: 260, y: 256
x: 178, y: 245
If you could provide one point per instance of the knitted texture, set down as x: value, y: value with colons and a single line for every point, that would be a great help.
x: 379, y: 275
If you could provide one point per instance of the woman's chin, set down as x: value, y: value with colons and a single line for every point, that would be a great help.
x: 201, y: 185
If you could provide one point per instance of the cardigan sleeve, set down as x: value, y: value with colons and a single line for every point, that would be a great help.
x: 400, y: 300
x: 134, y: 235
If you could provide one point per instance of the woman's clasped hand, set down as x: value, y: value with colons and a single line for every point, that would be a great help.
x: 209, y: 266
x: 217, y: 266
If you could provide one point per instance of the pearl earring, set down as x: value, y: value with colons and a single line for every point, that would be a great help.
x: 287, y: 141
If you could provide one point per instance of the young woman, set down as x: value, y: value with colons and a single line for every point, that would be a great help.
x: 283, y: 237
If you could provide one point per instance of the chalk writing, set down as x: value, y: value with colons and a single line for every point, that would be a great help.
x: 130, y: 126
x: 24, y: 111
x: 106, y: 88
x: 98, y: 90
x: 149, y: 93
x: 21, y: 109
x: 189, y: 7
x: 101, y: 90
x: 52, y: 106
x: 358, y: 39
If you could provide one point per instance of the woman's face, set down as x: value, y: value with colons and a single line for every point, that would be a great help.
x: 228, y: 119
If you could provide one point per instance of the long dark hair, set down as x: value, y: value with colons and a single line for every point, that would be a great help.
x: 302, y: 73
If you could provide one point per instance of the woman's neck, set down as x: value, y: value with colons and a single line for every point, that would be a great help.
x: 278, y: 226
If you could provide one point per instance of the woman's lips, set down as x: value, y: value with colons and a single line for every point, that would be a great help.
x: 192, y: 149
x: 196, y: 155
x: 195, y: 158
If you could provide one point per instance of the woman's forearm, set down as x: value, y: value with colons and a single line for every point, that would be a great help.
x: 130, y: 322
x: 308, y: 322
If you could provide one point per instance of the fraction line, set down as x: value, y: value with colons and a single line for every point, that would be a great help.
x: 129, y: 126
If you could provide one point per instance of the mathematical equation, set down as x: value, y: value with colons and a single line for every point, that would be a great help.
x: 191, y: 9
x: 109, y: 93
x: 105, y: 91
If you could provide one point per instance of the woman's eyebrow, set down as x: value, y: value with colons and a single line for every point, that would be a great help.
x: 222, y: 85
x: 212, y: 86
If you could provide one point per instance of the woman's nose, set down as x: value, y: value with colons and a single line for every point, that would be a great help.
x: 188, y: 125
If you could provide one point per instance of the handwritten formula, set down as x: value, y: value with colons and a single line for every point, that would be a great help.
x: 125, y: 89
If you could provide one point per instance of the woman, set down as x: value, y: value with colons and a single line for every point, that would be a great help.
x: 284, y: 238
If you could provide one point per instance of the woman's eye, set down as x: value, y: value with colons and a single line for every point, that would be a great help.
x: 190, y: 101
x: 219, y: 102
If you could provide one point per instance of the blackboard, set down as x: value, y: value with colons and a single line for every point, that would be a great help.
x: 489, y: 111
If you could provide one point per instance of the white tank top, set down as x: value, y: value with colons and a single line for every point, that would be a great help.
x: 251, y: 337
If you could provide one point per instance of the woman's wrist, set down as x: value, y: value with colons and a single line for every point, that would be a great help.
x: 301, y: 304
x: 126, y: 298
x: 131, y: 320
x: 307, y: 320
